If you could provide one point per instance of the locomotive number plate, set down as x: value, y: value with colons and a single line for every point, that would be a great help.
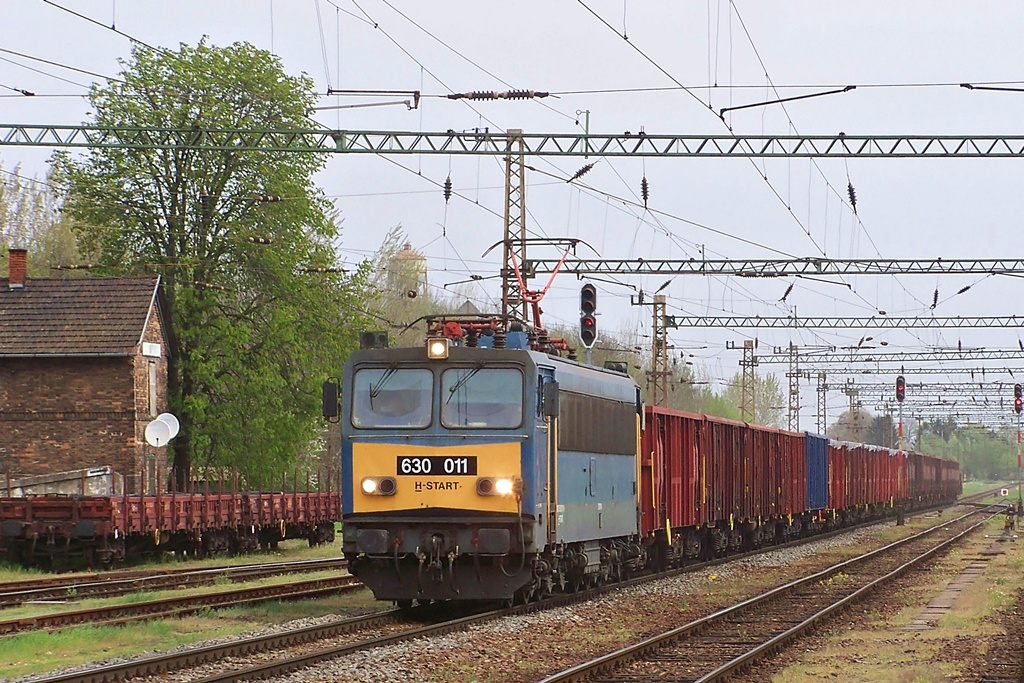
x: 437, y: 465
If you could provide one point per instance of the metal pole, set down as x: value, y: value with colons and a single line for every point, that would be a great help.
x: 899, y: 436
x: 1020, y: 500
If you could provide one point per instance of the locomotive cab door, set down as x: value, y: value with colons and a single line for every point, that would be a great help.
x: 548, y: 409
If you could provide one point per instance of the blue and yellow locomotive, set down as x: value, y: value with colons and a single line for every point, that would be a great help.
x: 478, y: 473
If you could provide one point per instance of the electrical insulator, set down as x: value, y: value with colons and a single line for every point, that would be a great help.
x: 490, y: 95
x: 206, y: 204
x: 901, y: 388
x: 645, y: 190
x: 259, y: 240
x: 580, y: 173
x: 853, y: 196
x: 447, y: 189
x: 267, y: 198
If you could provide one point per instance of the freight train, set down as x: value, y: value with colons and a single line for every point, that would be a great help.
x: 57, y: 530
x: 471, y: 472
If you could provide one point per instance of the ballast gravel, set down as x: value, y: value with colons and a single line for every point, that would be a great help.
x: 519, y: 648
x: 529, y: 647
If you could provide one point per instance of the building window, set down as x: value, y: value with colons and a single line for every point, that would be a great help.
x: 152, y: 388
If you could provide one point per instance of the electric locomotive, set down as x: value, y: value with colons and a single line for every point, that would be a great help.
x: 476, y: 473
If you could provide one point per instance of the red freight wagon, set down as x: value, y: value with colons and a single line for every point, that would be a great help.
x: 766, y: 472
x: 103, y: 529
x: 839, y: 478
x: 793, y: 486
x: 671, y: 475
x: 708, y: 484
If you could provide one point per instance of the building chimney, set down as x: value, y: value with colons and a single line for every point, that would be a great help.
x: 17, y: 261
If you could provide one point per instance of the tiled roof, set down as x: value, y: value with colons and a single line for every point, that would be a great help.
x: 77, y: 316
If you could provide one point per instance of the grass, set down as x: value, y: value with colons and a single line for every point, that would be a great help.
x: 288, y: 550
x: 144, y: 596
x: 38, y: 652
x: 870, y: 645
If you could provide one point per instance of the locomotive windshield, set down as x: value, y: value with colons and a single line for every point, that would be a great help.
x: 392, y: 398
x: 481, y: 398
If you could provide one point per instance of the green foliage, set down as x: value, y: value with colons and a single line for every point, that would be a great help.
x: 981, y: 452
x: 769, y: 404
x: 30, y: 218
x: 253, y: 333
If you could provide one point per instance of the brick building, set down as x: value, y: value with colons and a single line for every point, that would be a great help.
x: 83, y: 370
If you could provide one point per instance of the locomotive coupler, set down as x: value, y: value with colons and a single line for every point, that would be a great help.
x: 451, y: 568
x: 422, y: 557
x: 476, y: 560
x: 436, y: 554
x: 398, y: 570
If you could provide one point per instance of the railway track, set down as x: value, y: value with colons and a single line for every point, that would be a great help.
x: 289, y: 651
x: 732, y: 640
x: 74, y: 587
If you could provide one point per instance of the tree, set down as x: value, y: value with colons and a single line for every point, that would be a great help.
x: 241, y: 239
x: 843, y: 430
x: 881, y: 431
x: 30, y: 218
x: 768, y: 400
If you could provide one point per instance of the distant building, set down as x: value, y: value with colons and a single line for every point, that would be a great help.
x: 407, y: 273
x: 83, y: 370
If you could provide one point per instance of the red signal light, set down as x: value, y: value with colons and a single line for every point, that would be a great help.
x: 901, y: 388
x: 588, y: 309
x: 1018, y: 405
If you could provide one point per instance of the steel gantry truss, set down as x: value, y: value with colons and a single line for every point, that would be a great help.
x: 833, y: 323
x: 910, y: 372
x: 780, y: 355
x: 767, y: 268
x: 918, y: 389
x: 486, y: 142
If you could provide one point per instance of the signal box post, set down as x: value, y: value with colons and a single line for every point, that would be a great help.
x: 588, y: 318
x: 901, y: 393
x: 1018, y: 406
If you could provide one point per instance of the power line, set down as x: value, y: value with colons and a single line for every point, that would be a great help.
x: 57, y: 64
x: 102, y: 25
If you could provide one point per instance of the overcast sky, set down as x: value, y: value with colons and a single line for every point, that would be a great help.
x: 906, y: 58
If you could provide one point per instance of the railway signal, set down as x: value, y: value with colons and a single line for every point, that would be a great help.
x: 588, y: 315
x: 1018, y: 400
x: 901, y: 388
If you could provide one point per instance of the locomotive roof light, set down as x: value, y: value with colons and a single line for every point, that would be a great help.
x: 437, y: 348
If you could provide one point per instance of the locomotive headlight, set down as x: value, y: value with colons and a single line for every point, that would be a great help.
x: 437, y: 349
x: 379, y: 486
x: 504, y: 486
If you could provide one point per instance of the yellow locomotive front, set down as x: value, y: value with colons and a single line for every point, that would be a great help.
x: 433, y: 453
